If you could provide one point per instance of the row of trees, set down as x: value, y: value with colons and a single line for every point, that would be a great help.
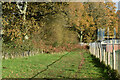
x: 30, y: 25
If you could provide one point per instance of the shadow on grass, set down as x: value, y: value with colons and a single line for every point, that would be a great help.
x: 107, y: 72
x: 49, y: 66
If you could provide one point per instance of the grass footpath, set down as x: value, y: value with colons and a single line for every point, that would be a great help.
x: 75, y: 65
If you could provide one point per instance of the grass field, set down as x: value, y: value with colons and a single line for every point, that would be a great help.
x: 77, y: 64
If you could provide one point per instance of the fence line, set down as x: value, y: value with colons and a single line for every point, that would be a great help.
x: 17, y: 55
x: 107, y: 53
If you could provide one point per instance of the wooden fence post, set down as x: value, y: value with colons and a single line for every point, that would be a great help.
x: 111, y: 60
x: 96, y: 51
x: 116, y: 55
x: 108, y: 58
x: 93, y: 50
x: 104, y: 56
x: 100, y: 54
x: 90, y: 47
x: 114, y: 59
x: 118, y: 63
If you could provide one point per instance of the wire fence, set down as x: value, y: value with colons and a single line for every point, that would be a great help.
x: 107, y: 51
x: 19, y: 54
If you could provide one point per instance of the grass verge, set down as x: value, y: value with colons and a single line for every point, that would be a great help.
x: 59, y: 66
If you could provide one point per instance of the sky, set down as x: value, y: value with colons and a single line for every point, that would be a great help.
x: 117, y: 4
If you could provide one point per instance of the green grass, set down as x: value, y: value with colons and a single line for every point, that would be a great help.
x: 118, y: 51
x: 64, y: 65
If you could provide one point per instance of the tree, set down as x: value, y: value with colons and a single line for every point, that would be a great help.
x: 103, y: 15
x: 113, y: 20
x: 35, y: 22
x: 80, y: 21
x: 118, y: 29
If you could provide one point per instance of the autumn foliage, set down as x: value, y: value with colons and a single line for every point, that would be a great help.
x: 48, y: 27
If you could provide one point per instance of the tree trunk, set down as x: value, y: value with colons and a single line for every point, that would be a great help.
x: 22, y: 11
x: 80, y: 36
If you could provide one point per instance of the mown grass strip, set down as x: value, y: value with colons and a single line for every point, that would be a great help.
x: 49, y: 65
x: 55, y: 66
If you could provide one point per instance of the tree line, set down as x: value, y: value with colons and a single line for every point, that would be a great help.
x: 36, y: 25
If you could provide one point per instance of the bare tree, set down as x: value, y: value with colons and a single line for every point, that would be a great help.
x: 22, y: 6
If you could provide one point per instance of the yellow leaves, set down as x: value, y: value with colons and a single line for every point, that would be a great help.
x: 12, y: 38
x: 76, y: 11
x: 87, y: 25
